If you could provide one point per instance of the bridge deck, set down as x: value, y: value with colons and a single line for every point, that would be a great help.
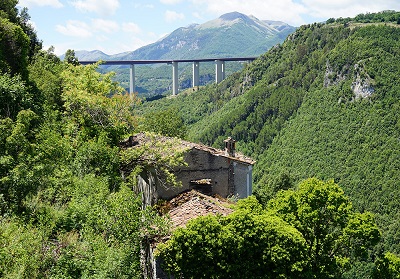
x: 219, y: 68
x: 137, y: 62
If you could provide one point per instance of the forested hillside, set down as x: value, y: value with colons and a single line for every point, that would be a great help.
x: 323, y: 104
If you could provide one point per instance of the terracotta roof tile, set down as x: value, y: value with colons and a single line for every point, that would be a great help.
x: 192, y: 204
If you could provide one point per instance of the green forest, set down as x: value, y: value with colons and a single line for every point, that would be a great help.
x: 319, y: 113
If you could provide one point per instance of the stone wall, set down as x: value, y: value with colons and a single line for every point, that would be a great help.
x: 243, y: 180
x: 202, y: 166
x: 205, y: 172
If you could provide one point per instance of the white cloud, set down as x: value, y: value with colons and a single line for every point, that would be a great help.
x: 284, y: 10
x: 101, y: 7
x: 170, y: 2
x: 33, y: 24
x: 348, y: 8
x: 145, y: 6
x: 131, y: 27
x: 197, y: 15
x: 295, y: 12
x: 41, y: 3
x: 75, y: 28
x: 102, y: 38
x: 133, y: 44
x: 171, y: 16
x: 107, y: 26
x: 60, y: 48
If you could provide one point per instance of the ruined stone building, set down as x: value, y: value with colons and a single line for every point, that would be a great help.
x: 208, y: 172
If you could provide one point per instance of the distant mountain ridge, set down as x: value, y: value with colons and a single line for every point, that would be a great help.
x: 232, y: 34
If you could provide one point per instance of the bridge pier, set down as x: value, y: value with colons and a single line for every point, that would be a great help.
x: 219, y: 71
x: 174, y: 78
x: 196, y: 66
x: 219, y: 68
x: 132, y: 79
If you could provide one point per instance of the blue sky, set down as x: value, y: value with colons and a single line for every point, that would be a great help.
x: 115, y: 26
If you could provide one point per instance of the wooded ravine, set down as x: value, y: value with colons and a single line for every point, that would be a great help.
x: 319, y: 113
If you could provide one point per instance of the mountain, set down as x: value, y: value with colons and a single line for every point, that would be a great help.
x: 230, y: 35
x: 323, y: 104
x: 86, y: 55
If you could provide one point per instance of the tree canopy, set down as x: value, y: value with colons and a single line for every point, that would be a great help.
x: 310, y: 232
x: 67, y: 210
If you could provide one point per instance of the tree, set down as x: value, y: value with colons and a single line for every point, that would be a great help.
x: 168, y: 122
x: 45, y: 72
x: 18, y: 176
x: 14, y: 96
x: 95, y: 103
x: 35, y: 44
x: 9, y: 10
x: 387, y: 267
x: 71, y: 58
x: 250, y: 243
x: 283, y: 181
x: 14, y: 48
x: 334, y: 233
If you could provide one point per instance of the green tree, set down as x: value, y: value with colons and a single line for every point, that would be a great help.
x: 9, y: 10
x: 45, y: 72
x: 14, y: 48
x: 168, y: 122
x: 249, y: 243
x: 71, y: 58
x: 35, y: 44
x: 334, y: 233
x: 14, y: 96
x: 18, y: 173
x: 387, y: 267
x: 95, y: 103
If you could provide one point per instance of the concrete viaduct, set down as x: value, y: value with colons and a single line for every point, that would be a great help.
x: 219, y: 68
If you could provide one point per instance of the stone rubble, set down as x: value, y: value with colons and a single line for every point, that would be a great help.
x: 192, y: 204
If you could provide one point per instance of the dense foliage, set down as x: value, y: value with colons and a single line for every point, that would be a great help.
x: 323, y: 104
x: 65, y: 210
x: 311, y: 232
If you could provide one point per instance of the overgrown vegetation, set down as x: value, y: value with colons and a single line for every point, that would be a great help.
x: 312, y: 232
x: 65, y: 211
x: 323, y: 104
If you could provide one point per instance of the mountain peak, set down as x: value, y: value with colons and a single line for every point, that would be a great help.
x: 233, y: 16
x: 227, y: 19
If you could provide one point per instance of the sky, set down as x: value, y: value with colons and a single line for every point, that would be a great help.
x: 116, y: 26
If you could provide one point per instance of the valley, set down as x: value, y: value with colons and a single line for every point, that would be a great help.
x: 300, y: 150
x: 231, y: 35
